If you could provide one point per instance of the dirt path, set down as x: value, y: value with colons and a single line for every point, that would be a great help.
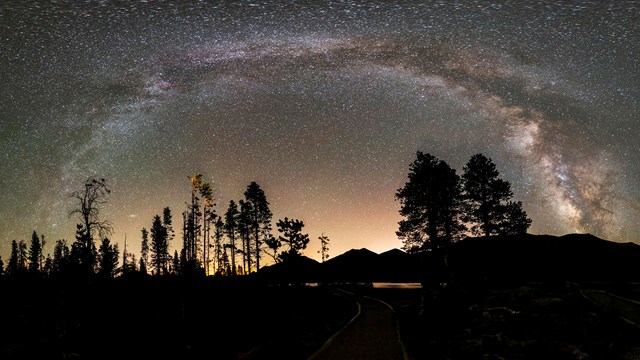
x: 372, y: 334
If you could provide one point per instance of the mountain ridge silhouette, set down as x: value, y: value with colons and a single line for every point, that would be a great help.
x: 570, y: 257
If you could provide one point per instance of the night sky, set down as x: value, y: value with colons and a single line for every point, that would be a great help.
x: 323, y: 105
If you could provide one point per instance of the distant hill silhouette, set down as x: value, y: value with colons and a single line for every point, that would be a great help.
x: 352, y: 266
x: 573, y: 257
x: 297, y: 270
x: 356, y: 265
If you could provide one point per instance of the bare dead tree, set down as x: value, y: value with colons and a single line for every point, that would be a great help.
x: 89, y: 199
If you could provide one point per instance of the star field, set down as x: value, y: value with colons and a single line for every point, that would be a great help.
x: 324, y: 105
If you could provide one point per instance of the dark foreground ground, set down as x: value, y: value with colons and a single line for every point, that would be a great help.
x: 509, y: 321
x: 168, y: 319
x: 213, y: 319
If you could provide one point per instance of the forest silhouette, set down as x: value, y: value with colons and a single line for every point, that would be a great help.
x: 464, y: 239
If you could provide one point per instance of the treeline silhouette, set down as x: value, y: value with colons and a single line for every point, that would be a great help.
x: 222, y: 245
x: 440, y: 207
x: 91, y: 299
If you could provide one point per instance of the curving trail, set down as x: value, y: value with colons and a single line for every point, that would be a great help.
x: 371, y: 334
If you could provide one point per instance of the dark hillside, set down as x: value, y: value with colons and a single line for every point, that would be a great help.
x: 574, y: 257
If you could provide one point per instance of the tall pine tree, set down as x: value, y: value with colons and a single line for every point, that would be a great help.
x: 35, y: 254
x: 259, y: 217
x: 231, y: 229
x: 487, y: 198
x: 430, y: 205
x: 159, y: 246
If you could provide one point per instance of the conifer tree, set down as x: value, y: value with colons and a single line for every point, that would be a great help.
x: 259, y: 217
x: 292, y: 237
x: 13, y: 268
x: 244, y: 232
x: 231, y: 229
x: 158, y: 245
x: 35, y: 254
x: 60, y: 257
x: 430, y: 205
x: 488, y: 205
x: 324, y: 247
x: 107, y: 259
x: 144, y: 250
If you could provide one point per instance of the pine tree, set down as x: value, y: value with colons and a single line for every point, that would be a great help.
x: 107, y: 259
x: 274, y: 244
x: 158, y: 245
x: 48, y: 265
x: 259, y: 217
x: 83, y: 254
x: 176, y: 263
x: 143, y: 267
x: 192, y: 227
x: 324, y: 247
x: 515, y: 220
x: 22, y: 256
x: 430, y: 205
x: 167, y: 222
x: 43, y: 242
x: 218, y: 246
x: 244, y: 232
x: 133, y: 264
x: 144, y: 250
x: 292, y: 237
x: 487, y: 198
x: 206, y: 194
x: 231, y: 229
x: 35, y: 254
x: 12, y: 267
x: 60, y: 257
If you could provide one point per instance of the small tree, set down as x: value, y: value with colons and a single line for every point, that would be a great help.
x: 13, y: 268
x: 208, y: 217
x: 83, y: 254
x: 231, y: 229
x: 176, y: 263
x: 244, y: 232
x: 144, y: 250
x: 324, y: 247
x: 133, y: 264
x: 192, y: 227
x: 107, y: 259
x: 218, y: 246
x: 22, y: 256
x: 48, y: 265
x: 274, y: 244
x: 158, y: 245
x: 515, y: 220
x: 143, y: 267
x: 35, y: 254
x: 60, y: 257
x: 292, y: 237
